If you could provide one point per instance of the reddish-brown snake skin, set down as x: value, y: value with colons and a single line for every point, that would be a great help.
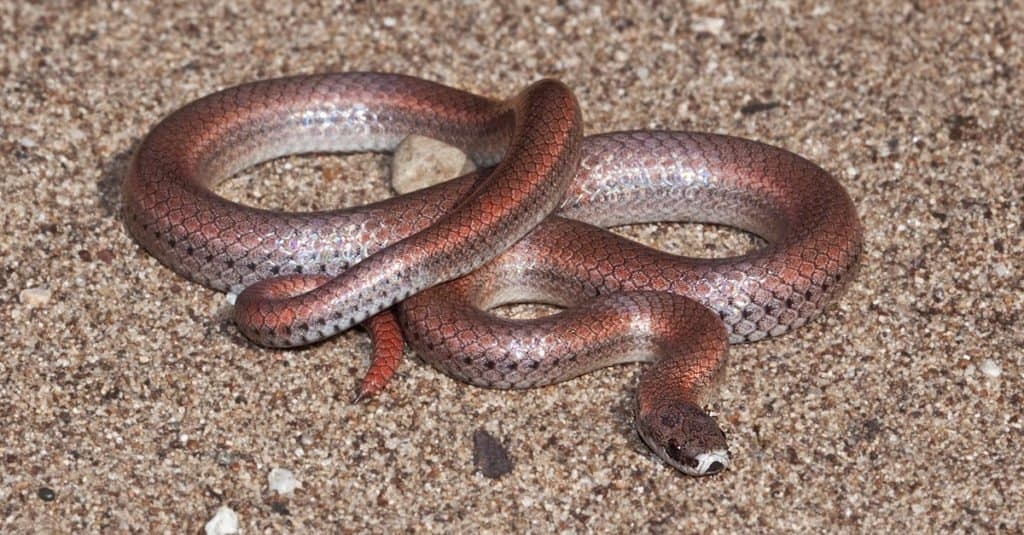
x: 307, y: 276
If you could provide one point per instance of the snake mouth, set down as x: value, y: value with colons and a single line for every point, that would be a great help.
x: 701, y: 464
x: 710, y: 463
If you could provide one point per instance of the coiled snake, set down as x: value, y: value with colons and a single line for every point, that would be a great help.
x: 526, y: 229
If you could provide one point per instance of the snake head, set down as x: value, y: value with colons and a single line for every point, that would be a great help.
x: 685, y: 436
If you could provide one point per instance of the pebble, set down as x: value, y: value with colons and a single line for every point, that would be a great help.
x: 991, y: 368
x: 282, y: 481
x: 34, y: 297
x: 224, y: 522
x: 711, y: 25
x: 421, y: 161
x: 490, y: 455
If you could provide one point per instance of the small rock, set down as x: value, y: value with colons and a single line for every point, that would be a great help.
x: 34, y: 297
x: 282, y: 481
x: 489, y: 455
x: 279, y: 505
x: 991, y: 368
x: 46, y: 494
x: 106, y: 255
x: 420, y: 161
x: 711, y: 25
x: 224, y: 522
x: 756, y: 106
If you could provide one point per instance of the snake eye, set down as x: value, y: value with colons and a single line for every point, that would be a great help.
x: 673, y: 450
x: 676, y: 453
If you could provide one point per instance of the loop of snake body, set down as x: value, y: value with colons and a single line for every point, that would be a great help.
x: 525, y: 230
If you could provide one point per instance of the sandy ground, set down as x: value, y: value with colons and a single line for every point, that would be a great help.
x: 128, y: 401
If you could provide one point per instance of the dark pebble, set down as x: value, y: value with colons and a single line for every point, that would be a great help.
x: 489, y: 455
x: 756, y: 106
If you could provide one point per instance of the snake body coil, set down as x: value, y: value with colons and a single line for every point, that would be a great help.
x: 306, y: 276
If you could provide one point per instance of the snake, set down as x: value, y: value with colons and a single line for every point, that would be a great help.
x: 428, y: 267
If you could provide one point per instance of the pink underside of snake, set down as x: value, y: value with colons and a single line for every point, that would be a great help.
x: 324, y: 272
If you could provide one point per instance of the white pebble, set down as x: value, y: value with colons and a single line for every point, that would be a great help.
x: 34, y: 297
x: 712, y: 25
x: 420, y: 161
x: 224, y: 522
x: 991, y: 368
x: 282, y: 481
x: 231, y: 298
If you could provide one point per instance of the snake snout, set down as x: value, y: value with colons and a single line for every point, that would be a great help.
x: 686, y: 437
